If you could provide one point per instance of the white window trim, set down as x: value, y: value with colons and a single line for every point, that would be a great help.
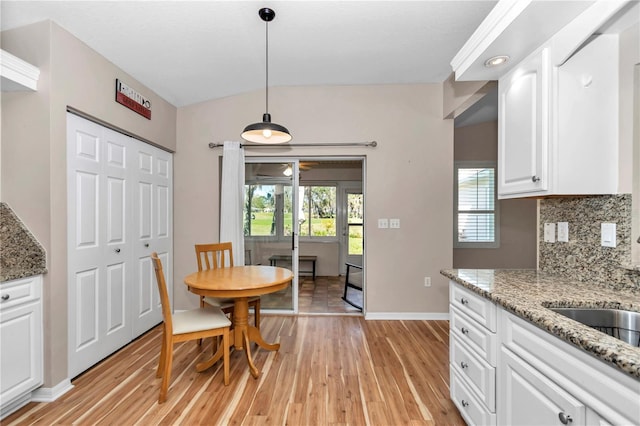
x: 468, y: 165
x: 323, y: 238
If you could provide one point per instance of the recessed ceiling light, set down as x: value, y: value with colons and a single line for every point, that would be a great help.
x: 496, y: 60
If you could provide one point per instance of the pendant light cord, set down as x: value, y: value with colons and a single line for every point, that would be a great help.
x: 267, y: 66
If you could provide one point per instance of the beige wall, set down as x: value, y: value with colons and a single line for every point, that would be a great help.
x: 460, y: 95
x: 517, y: 216
x: 34, y: 151
x: 407, y: 176
x: 629, y: 57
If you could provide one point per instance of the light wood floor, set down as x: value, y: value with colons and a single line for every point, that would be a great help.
x: 330, y: 370
x: 320, y: 296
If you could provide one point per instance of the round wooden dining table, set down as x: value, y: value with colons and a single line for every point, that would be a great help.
x: 240, y: 283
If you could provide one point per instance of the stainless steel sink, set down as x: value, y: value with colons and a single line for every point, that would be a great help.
x: 623, y: 325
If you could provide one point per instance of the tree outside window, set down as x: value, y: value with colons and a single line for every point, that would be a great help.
x: 318, y: 212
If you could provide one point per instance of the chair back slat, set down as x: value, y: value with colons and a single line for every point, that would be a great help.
x: 164, y: 295
x: 214, y: 256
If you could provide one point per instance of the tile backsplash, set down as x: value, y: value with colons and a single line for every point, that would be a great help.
x: 582, y: 257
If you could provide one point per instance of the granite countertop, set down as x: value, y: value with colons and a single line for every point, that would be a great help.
x: 20, y: 253
x: 528, y: 294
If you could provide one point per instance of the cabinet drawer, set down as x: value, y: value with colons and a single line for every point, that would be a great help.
x: 20, y: 291
x: 472, y: 410
x: 529, y: 397
x: 475, y: 306
x: 480, y: 376
x: 482, y: 341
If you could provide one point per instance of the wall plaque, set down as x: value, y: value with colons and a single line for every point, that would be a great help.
x: 133, y: 100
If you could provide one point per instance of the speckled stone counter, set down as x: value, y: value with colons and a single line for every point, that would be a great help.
x: 20, y: 253
x: 528, y: 294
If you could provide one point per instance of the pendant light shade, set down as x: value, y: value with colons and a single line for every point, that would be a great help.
x: 266, y: 132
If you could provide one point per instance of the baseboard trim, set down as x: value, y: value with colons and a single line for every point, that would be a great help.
x: 51, y: 394
x: 408, y: 316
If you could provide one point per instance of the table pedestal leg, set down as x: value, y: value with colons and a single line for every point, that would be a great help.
x: 255, y: 336
x: 241, y: 337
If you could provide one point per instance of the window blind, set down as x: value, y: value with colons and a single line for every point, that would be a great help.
x: 476, y: 205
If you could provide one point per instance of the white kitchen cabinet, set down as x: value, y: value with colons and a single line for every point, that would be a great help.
x: 585, y: 136
x: 506, y: 371
x: 540, y: 375
x: 523, y: 127
x: 21, y: 353
x: 530, y: 398
x: 558, y: 125
x: 472, y: 343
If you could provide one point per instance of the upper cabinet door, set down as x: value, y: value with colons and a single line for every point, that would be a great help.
x: 523, y: 127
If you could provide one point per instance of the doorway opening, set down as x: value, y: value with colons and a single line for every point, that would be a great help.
x: 307, y: 215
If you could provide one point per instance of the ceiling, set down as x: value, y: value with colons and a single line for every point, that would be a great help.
x: 193, y: 51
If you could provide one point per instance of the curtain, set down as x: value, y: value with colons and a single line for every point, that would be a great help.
x: 232, y: 199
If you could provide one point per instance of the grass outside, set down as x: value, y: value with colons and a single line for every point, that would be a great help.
x: 262, y: 223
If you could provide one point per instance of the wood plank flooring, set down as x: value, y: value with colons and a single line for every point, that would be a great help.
x: 320, y: 296
x: 330, y: 370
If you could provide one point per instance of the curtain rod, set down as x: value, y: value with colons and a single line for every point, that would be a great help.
x: 298, y: 145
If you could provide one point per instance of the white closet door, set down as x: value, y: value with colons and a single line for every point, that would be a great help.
x: 119, y: 211
x: 98, y: 262
x: 153, y: 231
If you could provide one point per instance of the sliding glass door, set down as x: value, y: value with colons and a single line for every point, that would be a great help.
x: 271, y: 224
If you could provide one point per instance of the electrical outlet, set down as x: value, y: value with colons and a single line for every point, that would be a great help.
x: 427, y: 281
x: 549, y: 232
x: 394, y: 223
x: 383, y: 223
x: 563, y: 232
x: 608, y: 234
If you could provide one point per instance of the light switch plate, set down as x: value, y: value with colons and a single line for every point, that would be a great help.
x: 608, y: 234
x: 394, y: 223
x: 563, y: 232
x: 383, y: 223
x: 549, y: 232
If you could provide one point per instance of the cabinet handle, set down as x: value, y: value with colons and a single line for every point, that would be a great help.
x: 117, y: 250
x: 535, y: 179
x: 463, y: 365
x: 464, y: 330
x: 464, y: 403
x: 464, y: 301
x: 5, y: 297
x: 146, y: 244
x: 565, y: 419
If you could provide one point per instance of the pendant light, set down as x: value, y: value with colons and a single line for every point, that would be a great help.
x: 266, y: 132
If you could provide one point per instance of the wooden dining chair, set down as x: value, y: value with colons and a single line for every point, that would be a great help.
x: 220, y: 255
x: 186, y: 325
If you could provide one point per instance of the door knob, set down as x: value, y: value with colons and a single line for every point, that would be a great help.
x: 535, y: 179
x: 146, y: 244
x: 5, y: 297
x: 117, y: 250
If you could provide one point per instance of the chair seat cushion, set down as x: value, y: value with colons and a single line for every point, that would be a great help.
x: 219, y: 302
x: 223, y: 302
x: 199, y: 319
